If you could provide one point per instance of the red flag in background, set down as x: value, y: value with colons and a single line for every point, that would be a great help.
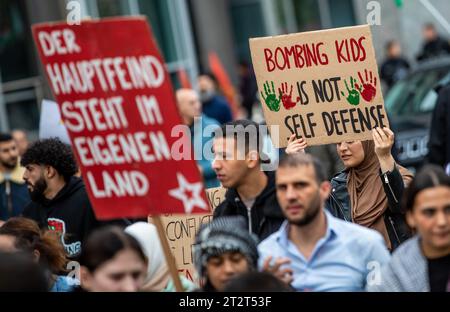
x: 224, y: 82
x: 184, y: 79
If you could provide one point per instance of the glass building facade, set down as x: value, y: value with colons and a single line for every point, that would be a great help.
x: 22, y: 85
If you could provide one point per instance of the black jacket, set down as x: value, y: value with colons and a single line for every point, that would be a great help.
x: 439, y: 144
x: 434, y: 48
x: 394, y: 69
x: 69, y: 213
x: 394, y: 218
x: 265, y: 215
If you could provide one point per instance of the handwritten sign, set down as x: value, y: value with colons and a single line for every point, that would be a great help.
x: 181, y: 231
x: 322, y: 85
x: 117, y: 103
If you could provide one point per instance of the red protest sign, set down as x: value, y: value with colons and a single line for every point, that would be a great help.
x: 117, y: 102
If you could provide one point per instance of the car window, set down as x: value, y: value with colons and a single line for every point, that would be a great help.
x: 415, y: 94
x: 429, y: 101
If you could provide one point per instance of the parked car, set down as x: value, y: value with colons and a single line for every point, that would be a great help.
x: 410, y: 103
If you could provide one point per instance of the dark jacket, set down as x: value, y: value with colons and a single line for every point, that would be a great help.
x: 394, y: 69
x: 394, y: 218
x: 14, y: 194
x: 218, y: 108
x: 265, y: 215
x: 439, y: 144
x: 69, y: 213
x: 434, y: 48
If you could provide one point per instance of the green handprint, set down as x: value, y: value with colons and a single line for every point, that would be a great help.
x: 353, y: 94
x: 271, y: 99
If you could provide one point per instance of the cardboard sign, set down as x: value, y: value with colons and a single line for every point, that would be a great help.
x: 117, y: 103
x: 321, y: 85
x: 180, y: 231
x: 51, y: 124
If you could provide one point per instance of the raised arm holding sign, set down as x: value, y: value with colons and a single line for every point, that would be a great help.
x: 322, y: 86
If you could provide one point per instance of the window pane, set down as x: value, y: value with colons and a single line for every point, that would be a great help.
x: 23, y: 115
x: 14, y: 37
x: 245, y: 27
x: 112, y: 7
x: 307, y: 14
x: 341, y: 12
x: 157, y: 12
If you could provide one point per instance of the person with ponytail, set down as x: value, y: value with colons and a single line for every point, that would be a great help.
x: 22, y: 235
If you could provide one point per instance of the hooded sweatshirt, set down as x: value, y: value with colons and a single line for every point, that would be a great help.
x: 69, y: 213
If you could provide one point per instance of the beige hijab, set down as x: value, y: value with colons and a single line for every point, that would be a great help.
x: 367, y: 196
x: 158, y: 275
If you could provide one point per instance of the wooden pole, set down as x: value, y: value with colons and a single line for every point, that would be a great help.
x: 168, y: 253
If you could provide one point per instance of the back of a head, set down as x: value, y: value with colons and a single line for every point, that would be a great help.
x: 104, y: 244
x: 52, y: 152
x: 29, y: 237
x: 19, y: 273
x: 428, y: 176
x: 257, y: 282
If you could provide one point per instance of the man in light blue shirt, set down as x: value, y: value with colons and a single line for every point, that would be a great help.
x: 314, y: 251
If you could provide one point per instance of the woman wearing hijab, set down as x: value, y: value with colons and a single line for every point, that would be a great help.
x: 158, y: 276
x: 369, y: 189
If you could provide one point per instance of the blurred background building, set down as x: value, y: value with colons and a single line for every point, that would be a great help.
x: 187, y: 30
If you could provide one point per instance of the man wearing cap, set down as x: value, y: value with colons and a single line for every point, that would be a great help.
x: 223, y: 250
x: 237, y: 162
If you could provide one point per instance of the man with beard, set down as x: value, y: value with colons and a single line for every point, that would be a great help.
x: 13, y: 190
x: 59, y: 199
x: 312, y: 250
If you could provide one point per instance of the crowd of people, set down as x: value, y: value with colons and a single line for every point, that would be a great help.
x: 372, y: 226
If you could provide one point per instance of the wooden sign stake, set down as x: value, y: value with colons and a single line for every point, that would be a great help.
x: 169, y: 256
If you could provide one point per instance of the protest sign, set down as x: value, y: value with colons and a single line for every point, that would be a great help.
x: 117, y: 103
x: 51, y: 124
x: 180, y: 231
x: 322, y: 85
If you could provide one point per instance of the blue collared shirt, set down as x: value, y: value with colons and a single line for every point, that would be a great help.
x: 343, y: 260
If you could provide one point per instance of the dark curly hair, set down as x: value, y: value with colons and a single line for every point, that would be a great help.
x: 51, y: 152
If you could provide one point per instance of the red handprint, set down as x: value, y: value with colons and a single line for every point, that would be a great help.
x: 369, y: 86
x: 287, y: 98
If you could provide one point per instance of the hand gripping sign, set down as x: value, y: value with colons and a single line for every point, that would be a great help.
x: 321, y: 85
x: 117, y: 102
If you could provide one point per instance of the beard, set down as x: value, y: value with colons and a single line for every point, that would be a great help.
x: 311, y: 212
x: 38, y: 189
x: 11, y: 164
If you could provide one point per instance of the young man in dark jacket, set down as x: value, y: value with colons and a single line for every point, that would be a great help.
x: 251, y: 191
x: 13, y: 190
x: 59, y: 199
